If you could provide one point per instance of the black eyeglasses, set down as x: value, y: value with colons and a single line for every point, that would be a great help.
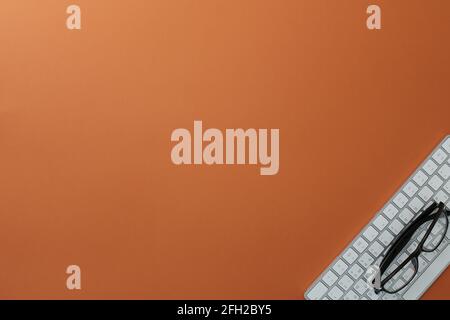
x: 400, y: 263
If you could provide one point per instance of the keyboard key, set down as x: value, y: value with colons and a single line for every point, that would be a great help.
x: 430, y: 167
x: 437, y: 228
x: 447, y: 187
x: 435, y: 182
x: 439, y: 156
x: 329, y: 278
x: 375, y: 249
x: 408, y: 274
x: 317, y: 292
x: 390, y: 211
x: 370, y: 233
x: 426, y: 194
x: 441, y: 196
x: 361, y: 286
x: 372, y: 295
x: 436, y: 241
x: 396, y: 226
x: 350, y: 256
x: 335, y: 293
x: 444, y: 172
x: 366, y: 260
x: 446, y: 145
x: 402, y: 258
x: 428, y: 241
x: 421, y: 235
x: 380, y: 222
x: 399, y: 282
x: 406, y: 216
x: 345, y: 282
x: 400, y: 200
x: 412, y: 247
x: 391, y: 269
x: 410, y: 189
x: 420, y: 178
x: 386, y: 238
x: 355, y: 271
x: 351, y: 295
x: 416, y: 204
x: 340, y: 267
x: 429, y: 255
x: 423, y: 264
x: 360, y: 245
x: 388, y: 296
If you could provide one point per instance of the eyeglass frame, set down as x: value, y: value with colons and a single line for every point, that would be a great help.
x: 402, y: 239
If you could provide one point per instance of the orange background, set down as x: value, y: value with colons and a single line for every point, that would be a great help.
x: 86, y: 117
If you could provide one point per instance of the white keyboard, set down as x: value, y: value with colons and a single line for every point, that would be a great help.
x: 345, y: 277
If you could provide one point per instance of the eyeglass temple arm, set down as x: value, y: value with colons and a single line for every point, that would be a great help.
x: 404, y: 237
